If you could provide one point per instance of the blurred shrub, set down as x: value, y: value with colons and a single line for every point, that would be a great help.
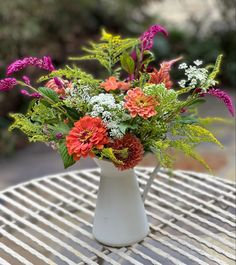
x: 60, y: 28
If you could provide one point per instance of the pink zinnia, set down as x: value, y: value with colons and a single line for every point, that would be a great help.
x: 7, y: 84
x: 147, y: 38
x: 222, y: 96
x: 43, y: 63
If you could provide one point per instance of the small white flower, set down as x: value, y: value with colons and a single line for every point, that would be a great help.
x: 197, y: 62
x: 182, y: 83
x: 183, y: 66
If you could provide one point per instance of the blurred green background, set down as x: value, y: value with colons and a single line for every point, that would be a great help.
x: 198, y: 30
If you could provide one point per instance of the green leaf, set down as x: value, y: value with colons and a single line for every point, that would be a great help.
x: 62, y: 127
x: 196, y: 102
x: 49, y: 93
x: 67, y: 159
x: 127, y: 63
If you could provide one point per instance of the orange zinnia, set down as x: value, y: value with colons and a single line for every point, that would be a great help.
x: 112, y: 84
x: 87, y: 134
x: 140, y: 104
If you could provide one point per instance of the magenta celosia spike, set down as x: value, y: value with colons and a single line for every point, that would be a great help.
x: 7, y: 84
x: 224, y: 97
x: 147, y: 38
x: 43, y: 63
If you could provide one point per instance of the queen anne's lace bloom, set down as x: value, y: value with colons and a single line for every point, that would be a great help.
x: 7, y: 84
x: 43, y: 63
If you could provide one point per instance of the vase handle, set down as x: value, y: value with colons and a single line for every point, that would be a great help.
x: 150, y: 181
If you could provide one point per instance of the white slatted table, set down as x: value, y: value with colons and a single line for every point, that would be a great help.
x: 49, y: 221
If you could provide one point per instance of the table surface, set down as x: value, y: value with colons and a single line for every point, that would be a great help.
x: 49, y: 221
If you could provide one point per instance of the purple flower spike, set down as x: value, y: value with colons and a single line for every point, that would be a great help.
x: 224, y: 97
x: 7, y: 84
x: 58, y: 82
x: 43, y: 63
x: 33, y: 95
x: 26, y: 80
x: 147, y: 38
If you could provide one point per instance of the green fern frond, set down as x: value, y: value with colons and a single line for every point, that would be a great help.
x: 73, y: 74
x: 109, y: 50
x: 32, y: 130
x: 160, y: 149
x: 194, y: 133
x: 199, y: 134
x: 209, y: 120
x: 216, y: 68
x: 188, y: 149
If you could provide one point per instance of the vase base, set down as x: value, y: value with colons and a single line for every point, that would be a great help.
x: 124, y: 243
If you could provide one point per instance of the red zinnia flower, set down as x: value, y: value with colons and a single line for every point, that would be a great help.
x: 87, y: 134
x: 140, y: 104
x: 163, y: 75
x: 134, y: 151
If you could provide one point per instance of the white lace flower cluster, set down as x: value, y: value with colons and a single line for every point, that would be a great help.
x: 196, y: 76
x: 77, y: 94
x: 105, y: 106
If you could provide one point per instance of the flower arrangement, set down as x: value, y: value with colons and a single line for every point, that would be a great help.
x: 135, y: 109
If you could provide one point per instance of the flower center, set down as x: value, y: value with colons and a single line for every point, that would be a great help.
x: 85, y: 135
x: 141, y: 102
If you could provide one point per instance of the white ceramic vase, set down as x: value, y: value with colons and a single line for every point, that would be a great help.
x: 120, y: 219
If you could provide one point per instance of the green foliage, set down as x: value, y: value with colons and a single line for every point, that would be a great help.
x: 49, y: 94
x: 188, y: 149
x: 167, y: 98
x: 127, y: 63
x: 109, y: 153
x: 66, y: 158
x: 34, y: 131
x: 216, y: 68
x: 42, y: 114
x: 109, y: 50
x: 73, y: 74
x: 209, y: 120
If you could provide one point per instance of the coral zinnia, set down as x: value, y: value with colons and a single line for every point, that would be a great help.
x: 58, y: 85
x: 163, y: 75
x: 112, y: 84
x: 140, y: 104
x: 134, y: 151
x: 87, y: 134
